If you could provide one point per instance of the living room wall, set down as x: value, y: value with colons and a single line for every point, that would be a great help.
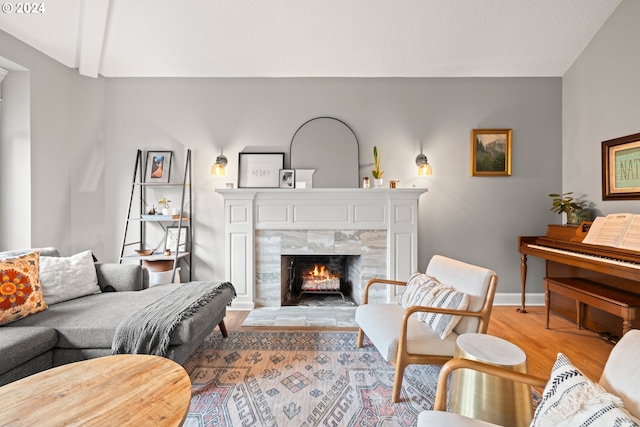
x: 63, y: 124
x: 476, y: 219
x: 84, y: 134
x: 600, y: 94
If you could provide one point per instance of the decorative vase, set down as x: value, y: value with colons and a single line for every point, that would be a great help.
x: 378, y: 183
x: 170, y: 211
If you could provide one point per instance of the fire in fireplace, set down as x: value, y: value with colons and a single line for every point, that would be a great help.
x: 320, y: 279
x: 315, y: 276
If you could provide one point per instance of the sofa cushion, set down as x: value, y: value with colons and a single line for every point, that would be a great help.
x: 20, y: 292
x: 449, y: 298
x: 383, y: 329
x: 20, y: 345
x: 65, y: 278
x: 91, y: 321
x: 571, y: 399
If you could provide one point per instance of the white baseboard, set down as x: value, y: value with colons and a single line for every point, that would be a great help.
x: 506, y: 299
x: 516, y: 299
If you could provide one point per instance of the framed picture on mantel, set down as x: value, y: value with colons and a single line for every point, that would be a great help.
x: 260, y: 170
x: 621, y: 168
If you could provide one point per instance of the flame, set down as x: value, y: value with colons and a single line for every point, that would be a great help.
x: 318, y: 272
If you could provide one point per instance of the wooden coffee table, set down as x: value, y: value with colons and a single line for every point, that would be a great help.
x: 120, y: 390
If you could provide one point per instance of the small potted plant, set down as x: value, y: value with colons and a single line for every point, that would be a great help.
x: 564, y: 203
x: 166, y: 207
x: 377, y: 172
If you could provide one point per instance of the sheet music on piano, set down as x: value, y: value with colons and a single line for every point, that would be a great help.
x: 616, y: 230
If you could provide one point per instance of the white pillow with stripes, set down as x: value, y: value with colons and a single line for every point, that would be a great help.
x: 449, y: 298
x: 571, y: 399
x: 419, y: 290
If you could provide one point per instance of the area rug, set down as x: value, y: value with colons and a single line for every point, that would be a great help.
x: 301, y: 379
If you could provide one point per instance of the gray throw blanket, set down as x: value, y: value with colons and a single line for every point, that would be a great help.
x: 147, y: 331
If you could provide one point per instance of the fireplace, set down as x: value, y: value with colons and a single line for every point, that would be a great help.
x: 380, y: 226
x: 318, y: 279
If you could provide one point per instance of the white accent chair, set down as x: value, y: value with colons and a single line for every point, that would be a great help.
x: 621, y: 377
x: 403, y: 340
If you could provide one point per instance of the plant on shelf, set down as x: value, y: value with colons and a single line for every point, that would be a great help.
x: 167, y: 210
x: 564, y: 203
x: 165, y: 202
x: 377, y: 172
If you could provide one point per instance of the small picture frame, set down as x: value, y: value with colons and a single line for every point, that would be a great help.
x: 287, y: 178
x: 158, y: 167
x: 260, y: 170
x: 620, y: 177
x: 172, y: 242
x: 491, y: 152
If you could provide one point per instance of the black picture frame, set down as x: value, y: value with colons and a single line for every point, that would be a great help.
x: 158, y: 167
x: 287, y: 178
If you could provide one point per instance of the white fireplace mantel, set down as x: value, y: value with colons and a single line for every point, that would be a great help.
x: 249, y: 210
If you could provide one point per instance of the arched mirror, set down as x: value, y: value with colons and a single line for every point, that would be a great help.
x: 329, y: 146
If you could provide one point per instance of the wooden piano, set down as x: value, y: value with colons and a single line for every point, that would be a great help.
x: 597, y: 285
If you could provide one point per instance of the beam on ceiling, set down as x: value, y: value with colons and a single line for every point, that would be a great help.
x: 93, y: 25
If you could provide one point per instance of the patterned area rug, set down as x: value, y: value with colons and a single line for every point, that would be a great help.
x: 301, y: 379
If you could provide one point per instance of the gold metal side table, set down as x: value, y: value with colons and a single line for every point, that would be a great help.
x: 485, y: 397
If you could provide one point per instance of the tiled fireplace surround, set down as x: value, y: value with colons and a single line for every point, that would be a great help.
x: 379, y: 225
x: 370, y: 245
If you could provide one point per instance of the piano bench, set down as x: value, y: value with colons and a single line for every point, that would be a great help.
x: 603, y: 297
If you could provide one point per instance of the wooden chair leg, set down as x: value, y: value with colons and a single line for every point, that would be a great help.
x: 360, y: 337
x: 397, y: 381
x: 223, y: 329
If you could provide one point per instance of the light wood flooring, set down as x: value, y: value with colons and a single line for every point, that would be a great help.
x: 585, y: 349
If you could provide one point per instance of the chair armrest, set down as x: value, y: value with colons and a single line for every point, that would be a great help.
x: 453, y: 364
x: 425, y: 309
x: 377, y: 280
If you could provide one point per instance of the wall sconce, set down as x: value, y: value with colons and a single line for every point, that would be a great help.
x: 218, y: 166
x: 424, y: 168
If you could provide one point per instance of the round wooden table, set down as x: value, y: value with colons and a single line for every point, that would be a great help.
x: 120, y: 390
x: 486, y: 397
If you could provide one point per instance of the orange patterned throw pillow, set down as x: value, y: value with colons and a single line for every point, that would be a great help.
x: 20, y: 290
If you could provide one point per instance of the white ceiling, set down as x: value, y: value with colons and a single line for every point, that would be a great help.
x: 311, y: 38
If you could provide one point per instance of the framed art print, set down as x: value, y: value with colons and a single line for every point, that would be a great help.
x: 621, y: 168
x: 287, y: 178
x: 491, y: 152
x: 158, y: 167
x: 175, y: 242
x: 260, y: 170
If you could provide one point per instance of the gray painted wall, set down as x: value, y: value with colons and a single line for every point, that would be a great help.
x: 476, y: 219
x: 66, y: 118
x: 601, y: 93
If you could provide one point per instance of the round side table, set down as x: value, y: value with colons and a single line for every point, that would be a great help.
x: 486, y: 397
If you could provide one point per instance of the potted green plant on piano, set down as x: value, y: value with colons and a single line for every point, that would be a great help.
x: 565, y: 203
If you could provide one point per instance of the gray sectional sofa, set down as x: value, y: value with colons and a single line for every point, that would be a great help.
x: 84, y: 327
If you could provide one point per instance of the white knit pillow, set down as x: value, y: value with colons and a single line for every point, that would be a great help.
x: 571, y: 399
x: 65, y: 278
x: 449, y: 298
x: 419, y: 290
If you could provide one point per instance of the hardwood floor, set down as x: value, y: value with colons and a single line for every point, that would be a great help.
x: 584, y: 348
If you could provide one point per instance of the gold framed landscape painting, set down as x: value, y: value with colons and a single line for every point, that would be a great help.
x: 621, y: 168
x: 491, y: 152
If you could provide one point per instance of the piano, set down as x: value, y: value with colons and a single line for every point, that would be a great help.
x: 567, y: 257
